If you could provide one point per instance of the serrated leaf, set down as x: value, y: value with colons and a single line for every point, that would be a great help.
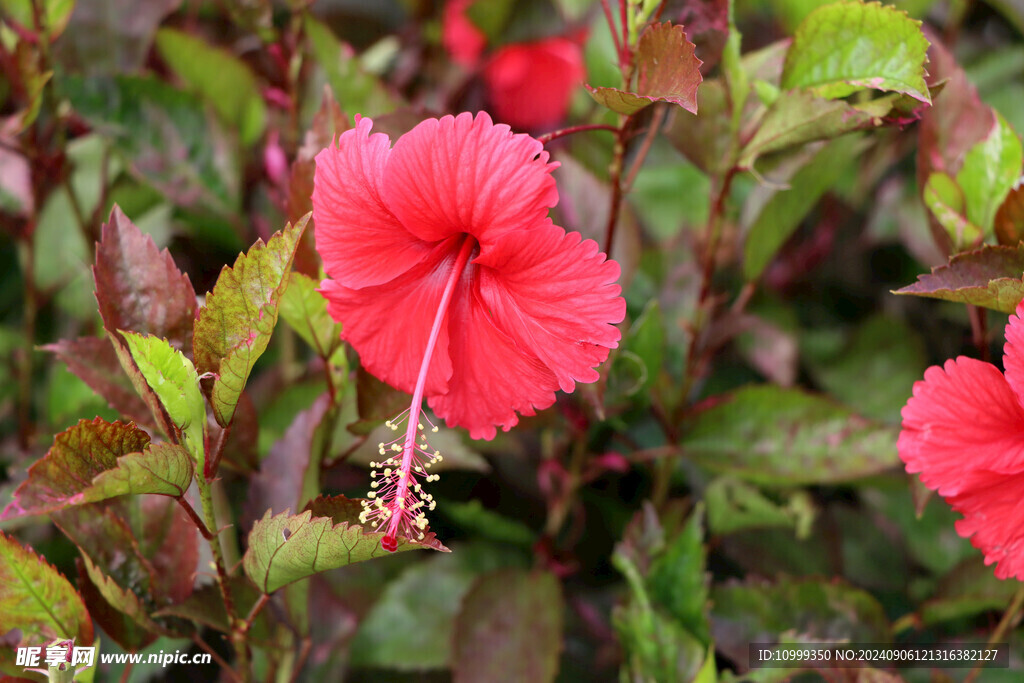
x: 782, y: 214
x: 988, y: 277
x: 38, y: 601
x: 163, y: 468
x: 844, y: 47
x: 305, y: 311
x: 234, y: 327
x: 78, y: 455
x: 286, y: 547
x: 138, y: 287
x: 775, y: 436
x: 94, y: 361
x: 509, y: 628
x: 668, y: 71
x: 990, y: 170
x: 219, y: 77
x: 173, y: 378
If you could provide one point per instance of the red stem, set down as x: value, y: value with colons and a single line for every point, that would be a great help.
x: 562, y: 132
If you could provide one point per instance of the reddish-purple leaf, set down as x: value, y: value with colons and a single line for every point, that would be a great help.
x: 1009, y: 223
x: 124, y: 630
x: 38, y: 601
x: 139, y: 288
x: 78, y: 454
x: 509, y: 628
x: 668, y: 71
x: 141, y: 552
x: 95, y: 362
x: 988, y: 277
x: 279, y: 483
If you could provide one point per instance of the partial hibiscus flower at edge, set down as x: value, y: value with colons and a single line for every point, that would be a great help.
x: 452, y: 283
x: 963, y: 431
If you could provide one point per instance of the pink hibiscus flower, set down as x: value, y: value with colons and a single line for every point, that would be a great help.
x: 963, y: 431
x: 452, y: 283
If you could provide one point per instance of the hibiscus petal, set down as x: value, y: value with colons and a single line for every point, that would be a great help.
x: 493, y: 379
x: 388, y: 325
x: 993, y: 511
x: 466, y: 175
x: 961, y: 418
x: 556, y: 297
x: 359, y: 239
x: 1013, y: 353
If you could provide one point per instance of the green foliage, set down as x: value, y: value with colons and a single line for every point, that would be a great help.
x: 845, y: 47
x: 234, y: 327
x: 770, y: 435
x: 989, y: 277
x: 285, y: 548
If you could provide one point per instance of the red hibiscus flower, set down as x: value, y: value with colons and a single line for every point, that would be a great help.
x: 451, y: 283
x: 963, y: 430
x: 528, y: 85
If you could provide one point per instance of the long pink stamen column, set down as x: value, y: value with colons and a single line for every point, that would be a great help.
x: 396, y: 500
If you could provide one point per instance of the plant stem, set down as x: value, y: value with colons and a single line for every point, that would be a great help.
x: 1010, y: 618
x: 237, y: 633
x: 562, y: 132
x: 191, y: 512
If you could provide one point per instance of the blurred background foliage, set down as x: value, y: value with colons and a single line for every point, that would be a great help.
x: 672, y: 513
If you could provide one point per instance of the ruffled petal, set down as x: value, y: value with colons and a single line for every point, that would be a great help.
x: 466, y: 175
x: 1013, y: 353
x: 493, y: 379
x: 993, y: 510
x: 555, y: 296
x: 388, y: 325
x: 360, y: 241
x: 961, y: 418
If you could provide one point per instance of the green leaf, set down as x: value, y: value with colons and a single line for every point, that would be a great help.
x: 55, y: 15
x: 668, y: 69
x: 676, y: 579
x: 220, y: 78
x: 419, y: 608
x: 783, y: 213
x: 491, y: 17
x: 78, y: 455
x: 164, y: 134
x: 173, y: 378
x: 473, y: 517
x: 734, y: 505
x: 883, y: 353
x: 356, y: 90
x: 37, y: 601
x: 509, y: 628
x: 794, y: 610
x: 798, y: 117
x: 234, y: 327
x: 657, y: 648
x: 944, y: 198
x: 775, y: 436
x: 968, y: 590
x: 849, y: 46
x: 988, y: 277
x: 990, y: 170
x: 704, y: 138
x: 305, y: 311
x: 286, y: 547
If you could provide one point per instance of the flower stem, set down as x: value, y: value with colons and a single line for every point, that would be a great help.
x: 1010, y: 618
